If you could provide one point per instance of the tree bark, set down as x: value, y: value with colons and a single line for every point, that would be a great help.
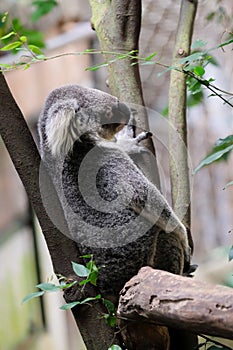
x: 24, y: 154
x: 178, y: 151
x: 117, y: 24
x: 178, y: 302
x: 179, y: 169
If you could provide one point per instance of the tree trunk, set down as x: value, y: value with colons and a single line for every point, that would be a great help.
x: 179, y: 169
x: 23, y: 152
x: 117, y: 24
x: 177, y: 302
x: 178, y: 151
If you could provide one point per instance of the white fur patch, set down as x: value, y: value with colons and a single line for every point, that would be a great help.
x: 61, y: 129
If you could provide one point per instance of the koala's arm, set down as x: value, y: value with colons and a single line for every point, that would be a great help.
x: 157, y: 210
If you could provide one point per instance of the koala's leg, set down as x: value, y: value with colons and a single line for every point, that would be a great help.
x: 158, y: 211
x: 167, y: 253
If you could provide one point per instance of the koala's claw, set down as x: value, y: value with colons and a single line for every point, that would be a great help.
x: 188, y: 272
x: 143, y: 136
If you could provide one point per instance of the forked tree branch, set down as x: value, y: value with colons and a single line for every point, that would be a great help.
x: 26, y: 159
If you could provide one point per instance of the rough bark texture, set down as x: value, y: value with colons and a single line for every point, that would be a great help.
x: 178, y: 152
x: 178, y: 302
x: 117, y: 24
x: 23, y: 152
x: 179, y: 170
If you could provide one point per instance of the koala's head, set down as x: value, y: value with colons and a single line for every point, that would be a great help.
x: 71, y: 111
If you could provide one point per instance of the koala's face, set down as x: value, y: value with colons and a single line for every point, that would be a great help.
x: 71, y: 111
x: 114, y: 121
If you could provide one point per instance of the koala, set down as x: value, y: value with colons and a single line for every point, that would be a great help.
x: 112, y: 210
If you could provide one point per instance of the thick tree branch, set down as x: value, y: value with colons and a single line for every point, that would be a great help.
x: 117, y: 24
x: 178, y: 302
x: 179, y: 171
x: 23, y: 152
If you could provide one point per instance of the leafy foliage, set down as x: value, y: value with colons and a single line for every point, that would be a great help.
x: 32, y: 296
x: 90, y: 275
x: 19, y: 38
x: 110, y: 317
x: 75, y: 303
x: 43, y: 7
x: 220, y: 151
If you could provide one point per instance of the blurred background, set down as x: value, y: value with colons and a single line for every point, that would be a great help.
x: 24, y: 258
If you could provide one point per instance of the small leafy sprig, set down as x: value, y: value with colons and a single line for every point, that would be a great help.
x: 90, y: 274
x: 220, y: 151
x: 194, y: 67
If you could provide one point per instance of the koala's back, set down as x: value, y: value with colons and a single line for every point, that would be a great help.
x: 100, y: 187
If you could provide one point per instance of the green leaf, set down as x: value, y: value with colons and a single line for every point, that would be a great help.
x: 225, y: 142
x: 42, y: 8
x: 82, y: 283
x: 149, y: 58
x: 11, y: 46
x: 195, y: 99
x: 23, y: 38
x: 194, y: 86
x: 230, y: 254
x: 5, y: 65
x: 7, y: 36
x: 110, y: 306
x: 213, y: 157
x: 48, y: 287
x: 26, y: 66
x: 16, y: 25
x: 35, y: 49
x: 228, y: 184
x: 198, y: 44
x: 115, y: 347
x: 110, y: 318
x: 88, y: 256
x: 69, y: 305
x: 93, y: 277
x: 80, y: 270
x: 199, y: 70
x: 84, y: 301
x: 97, y: 66
x: 32, y: 296
x: 67, y: 285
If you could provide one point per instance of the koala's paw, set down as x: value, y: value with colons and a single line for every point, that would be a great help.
x: 143, y: 136
x: 188, y: 271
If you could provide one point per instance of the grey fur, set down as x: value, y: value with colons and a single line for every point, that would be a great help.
x: 111, y: 208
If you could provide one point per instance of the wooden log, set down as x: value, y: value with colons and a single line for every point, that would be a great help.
x: 178, y: 302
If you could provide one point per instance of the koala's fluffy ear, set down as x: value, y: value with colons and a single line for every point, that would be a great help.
x: 61, y: 129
